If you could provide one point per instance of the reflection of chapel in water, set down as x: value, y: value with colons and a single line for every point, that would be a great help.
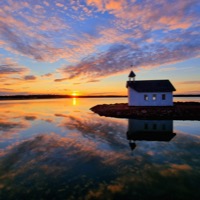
x: 149, y: 130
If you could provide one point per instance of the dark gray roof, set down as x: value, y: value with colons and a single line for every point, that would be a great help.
x: 151, y: 86
x: 132, y: 74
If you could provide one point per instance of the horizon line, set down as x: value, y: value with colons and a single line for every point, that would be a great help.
x: 51, y: 96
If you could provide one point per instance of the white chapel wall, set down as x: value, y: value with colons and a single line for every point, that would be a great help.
x: 137, y: 99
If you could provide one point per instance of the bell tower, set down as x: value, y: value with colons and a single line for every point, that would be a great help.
x: 131, y: 76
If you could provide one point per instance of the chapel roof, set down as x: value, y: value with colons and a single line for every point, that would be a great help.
x: 151, y: 86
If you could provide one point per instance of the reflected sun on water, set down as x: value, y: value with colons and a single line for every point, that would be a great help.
x: 74, y: 101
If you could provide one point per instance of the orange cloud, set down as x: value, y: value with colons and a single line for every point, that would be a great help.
x: 97, y: 3
x: 59, y: 4
x: 109, y: 5
x: 114, y: 5
x: 175, y: 22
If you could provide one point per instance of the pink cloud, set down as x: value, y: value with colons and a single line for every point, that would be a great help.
x: 53, y: 24
x: 46, y: 3
x: 59, y: 5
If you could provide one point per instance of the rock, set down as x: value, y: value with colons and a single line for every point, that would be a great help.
x: 180, y: 110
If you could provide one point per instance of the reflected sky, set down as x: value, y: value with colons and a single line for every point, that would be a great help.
x: 59, y: 149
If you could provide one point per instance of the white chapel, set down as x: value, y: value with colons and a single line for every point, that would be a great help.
x: 149, y: 92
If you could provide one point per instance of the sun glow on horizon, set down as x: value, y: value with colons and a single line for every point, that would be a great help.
x: 75, y: 93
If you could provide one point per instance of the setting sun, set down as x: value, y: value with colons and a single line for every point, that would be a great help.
x: 75, y: 93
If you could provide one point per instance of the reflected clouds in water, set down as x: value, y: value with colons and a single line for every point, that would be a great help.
x: 10, y: 128
x: 52, y: 151
x: 75, y: 167
x: 91, y: 125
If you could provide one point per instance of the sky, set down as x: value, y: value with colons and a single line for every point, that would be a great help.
x: 87, y: 47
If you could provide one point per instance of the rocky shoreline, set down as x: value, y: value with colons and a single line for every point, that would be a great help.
x: 180, y: 111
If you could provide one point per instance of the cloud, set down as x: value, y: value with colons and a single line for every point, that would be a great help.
x: 46, y: 3
x: 6, y: 89
x: 12, y: 92
x: 59, y: 5
x: 17, y: 43
x: 32, y: 36
x: 40, y: 43
x: 53, y: 24
x: 120, y: 57
x: 123, y: 32
x: 47, y: 75
x: 13, y: 74
x: 149, y: 14
x: 77, y: 83
x: 10, y: 67
x: 111, y: 5
x: 93, y: 81
x: 190, y: 82
x: 60, y: 79
x: 30, y: 77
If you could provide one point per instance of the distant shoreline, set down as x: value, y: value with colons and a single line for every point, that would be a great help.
x: 32, y: 97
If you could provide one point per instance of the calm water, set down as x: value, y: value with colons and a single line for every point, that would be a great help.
x: 59, y: 149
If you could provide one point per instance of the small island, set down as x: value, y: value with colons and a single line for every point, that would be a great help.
x: 150, y: 99
x: 180, y: 111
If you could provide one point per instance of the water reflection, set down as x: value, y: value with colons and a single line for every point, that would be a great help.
x: 53, y: 150
x: 74, y: 102
x: 149, y: 130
